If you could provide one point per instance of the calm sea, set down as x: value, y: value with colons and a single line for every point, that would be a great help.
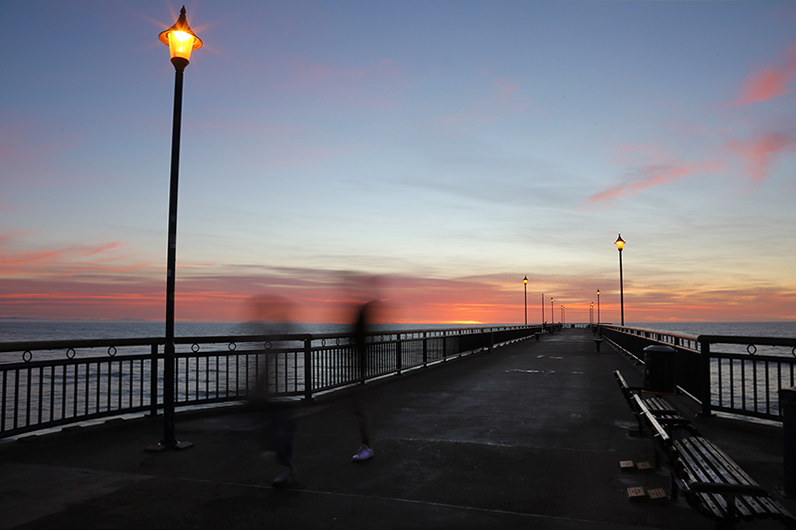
x: 23, y: 330
x: 16, y: 330
x: 786, y: 329
x: 13, y: 330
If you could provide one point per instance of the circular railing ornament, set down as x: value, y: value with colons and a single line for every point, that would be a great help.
x: 232, y: 346
x: 112, y: 351
x: 751, y: 349
x: 194, y: 347
x: 70, y: 353
x: 27, y: 356
x: 268, y: 345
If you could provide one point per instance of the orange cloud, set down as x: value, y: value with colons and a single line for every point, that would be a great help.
x: 209, y: 292
x: 769, y: 82
x: 760, y: 153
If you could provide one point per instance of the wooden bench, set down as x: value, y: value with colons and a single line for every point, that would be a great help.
x: 658, y: 406
x: 709, y: 479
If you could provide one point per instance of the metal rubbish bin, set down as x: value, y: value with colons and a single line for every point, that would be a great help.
x: 660, y: 369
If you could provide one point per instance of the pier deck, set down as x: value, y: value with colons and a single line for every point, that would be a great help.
x: 530, y: 435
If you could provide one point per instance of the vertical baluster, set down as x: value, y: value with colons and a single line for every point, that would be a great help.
x: 754, y: 378
x: 41, y: 395
x: 705, y: 361
x: 28, y: 394
x: 3, y: 404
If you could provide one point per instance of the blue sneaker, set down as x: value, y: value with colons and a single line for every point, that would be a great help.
x: 364, y: 453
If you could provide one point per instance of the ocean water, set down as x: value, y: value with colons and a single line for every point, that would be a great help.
x: 785, y: 329
x: 16, y: 330
x: 23, y: 330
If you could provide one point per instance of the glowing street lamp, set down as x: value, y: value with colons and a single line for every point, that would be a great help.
x: 599, y: 321
x: 525, y: 286
x: 552, y: 314
x: 181, y: 41
x: 591, y: 314
x: 620, y: 244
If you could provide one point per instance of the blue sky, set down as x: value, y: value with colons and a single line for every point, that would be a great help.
x: 449, y: 147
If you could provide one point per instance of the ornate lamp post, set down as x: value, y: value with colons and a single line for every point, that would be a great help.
x: 620, y: 243
x: 181, y: 41
x: 598, y: 307
x: 525, y: 286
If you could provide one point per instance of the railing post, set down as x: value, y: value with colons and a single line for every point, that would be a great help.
x: 425, y: 349
x: 153, y: 381
x: 705, y: 378
x: 444, y: 345
x: 308, y: 369
x: 787, y: 407
x: 398, y: 360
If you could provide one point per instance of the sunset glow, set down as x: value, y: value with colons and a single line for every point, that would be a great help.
x: 449, y: 149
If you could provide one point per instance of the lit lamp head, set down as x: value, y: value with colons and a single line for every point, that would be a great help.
x: 598, y: 292
x: 620, y: 243
x: 181, y: 41
x: 525, y: 280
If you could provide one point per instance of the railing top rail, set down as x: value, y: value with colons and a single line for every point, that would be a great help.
x: 718, y: 339
x: 737, y: 339
x: 148, y: 341
x: 79, y: 343
x: 677, y: 334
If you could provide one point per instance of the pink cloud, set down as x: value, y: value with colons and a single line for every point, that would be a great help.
x: 761, y: 152
x: 769, y: 82
x: 659, y: 171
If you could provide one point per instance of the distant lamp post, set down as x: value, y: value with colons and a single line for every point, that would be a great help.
x: 181, y: 41
x: 598, y: 307
x: 563, y: 316
x: 620, y: 244
x: 591, y: 314
x: 525, y: 286
x: 552, y: 314
x: 542, y: 310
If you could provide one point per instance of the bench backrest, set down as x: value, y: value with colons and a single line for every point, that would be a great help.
x: 657, y: 429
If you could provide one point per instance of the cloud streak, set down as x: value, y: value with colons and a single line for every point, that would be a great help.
x: 659, y: 171
x: 769, y: 82
x: 761, y: 152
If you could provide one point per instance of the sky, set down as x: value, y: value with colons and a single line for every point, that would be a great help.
x: 448, y: 148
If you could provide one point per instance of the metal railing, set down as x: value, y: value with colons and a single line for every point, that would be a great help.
x: 39, y: 394
x: 744, y: 378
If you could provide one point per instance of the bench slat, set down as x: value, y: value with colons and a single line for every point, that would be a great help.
x: 712, y: 470
x: 691, y: 473
x: 760, y: 501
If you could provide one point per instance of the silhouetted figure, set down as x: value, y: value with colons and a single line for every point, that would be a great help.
x: 272, y: 314
x: 359, y: 337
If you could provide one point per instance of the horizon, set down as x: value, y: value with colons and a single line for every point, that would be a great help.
x: 448, y: 149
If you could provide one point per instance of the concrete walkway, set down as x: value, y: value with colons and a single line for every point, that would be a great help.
x: 529, y: 435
